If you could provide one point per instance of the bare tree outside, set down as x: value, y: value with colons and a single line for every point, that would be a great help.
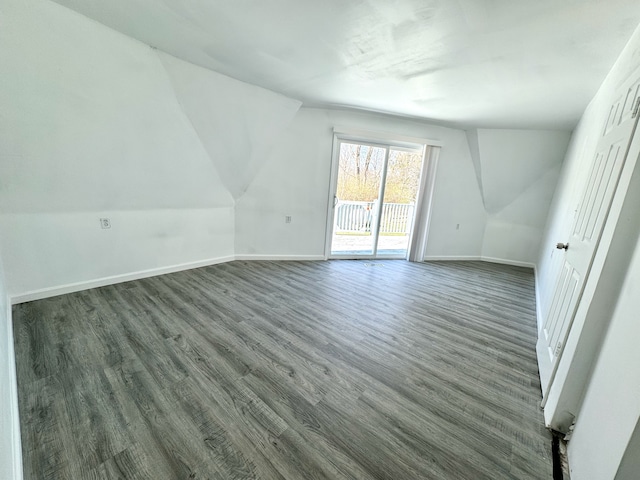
x: 360, y: 174
x: 403, y: 177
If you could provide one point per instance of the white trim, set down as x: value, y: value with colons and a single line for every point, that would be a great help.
x: 101, y: 282
x: 377, y: 220
x: 544, y: 362
x: 504, y: 261
x: 544, y: 369
x: 430, y: 151
x: 295, y: 258
x: 75, y: 287
x: 331, y: 205
x: 424, y: 204
x: 453, y: 258
x: 470, y: 258
x: 14, y: 413
x: 127, y: 277
x: 393, y: 139
x: 366, y: 257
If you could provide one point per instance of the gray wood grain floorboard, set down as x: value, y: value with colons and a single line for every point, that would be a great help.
x: 290, y: 370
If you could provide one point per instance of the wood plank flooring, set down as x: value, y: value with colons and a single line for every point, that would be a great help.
x: 291, y: 370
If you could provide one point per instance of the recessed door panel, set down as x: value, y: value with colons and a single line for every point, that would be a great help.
x: 579, y: 249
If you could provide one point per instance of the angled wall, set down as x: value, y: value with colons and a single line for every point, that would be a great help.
x: 92, y: 128
x: 596, y: 383
x: 193, y: 167
x: 237, y: 123
x: 295, y: 181
x: 97, y: 125
x: 517, y: 171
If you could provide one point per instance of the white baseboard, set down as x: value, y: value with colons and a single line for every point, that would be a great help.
x: 101, y: 282
x: 127, y: 277
x: 452, y: 258
x: 75, y: 287
x: 14, y: 414
x: 515, y: 263
x: 478, y: 258
x: 298, y: 258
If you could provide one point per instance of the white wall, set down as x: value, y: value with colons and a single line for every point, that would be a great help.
x: 519, y: 171
x: 62, y: 249
x: 91, y: 127
x: 611, y: 407
x: 190, y: 166
x: 591, y: 319
x: 630, y: 464
x: 10, y: 450
x: 194, y: 167
x: 577, y: 163
x: 295, y: 181
x: 597, y: 374
x: 95, y: 124
x: 236, y: 123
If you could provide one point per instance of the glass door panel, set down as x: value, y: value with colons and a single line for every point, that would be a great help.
x: 398, y: 207
x: 355, y: 217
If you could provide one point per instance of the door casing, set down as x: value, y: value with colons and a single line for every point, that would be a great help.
x: 554, y: 358
x: 422, y: 214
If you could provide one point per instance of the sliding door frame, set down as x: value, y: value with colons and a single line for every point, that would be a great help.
x: 422, y: 215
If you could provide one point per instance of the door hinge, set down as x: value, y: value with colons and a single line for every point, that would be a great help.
x: 636, y: 108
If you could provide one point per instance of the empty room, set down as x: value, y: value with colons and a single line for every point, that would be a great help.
x: 278, y: 239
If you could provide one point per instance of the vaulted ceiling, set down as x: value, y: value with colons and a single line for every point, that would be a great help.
x: 469, y: 63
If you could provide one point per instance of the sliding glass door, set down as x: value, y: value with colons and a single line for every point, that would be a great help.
x: 376, y: 187
x: 399, y: 200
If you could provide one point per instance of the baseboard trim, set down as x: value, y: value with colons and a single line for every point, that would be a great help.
x: 16, y: 440
x: 452, y: 258
x: 79, y: 286
x: 127, y: 277
x: 504, y: 261
x: 477, y: 258
x: 101, y: 282
x: 295, y: 258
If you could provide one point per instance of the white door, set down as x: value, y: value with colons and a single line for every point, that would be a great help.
x: 592, y: 212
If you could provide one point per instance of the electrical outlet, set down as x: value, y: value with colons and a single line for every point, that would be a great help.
x: 105, y: 223
x: 287, y: 219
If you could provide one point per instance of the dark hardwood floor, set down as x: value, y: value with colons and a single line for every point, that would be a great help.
x: 290, y: 370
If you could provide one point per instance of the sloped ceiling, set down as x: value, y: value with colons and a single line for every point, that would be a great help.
x: 517, y: 171
x: 90, y: 122
x: 482, y: 63
x: 236, y: 123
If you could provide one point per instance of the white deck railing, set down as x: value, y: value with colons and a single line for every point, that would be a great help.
x: 356, y: 217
